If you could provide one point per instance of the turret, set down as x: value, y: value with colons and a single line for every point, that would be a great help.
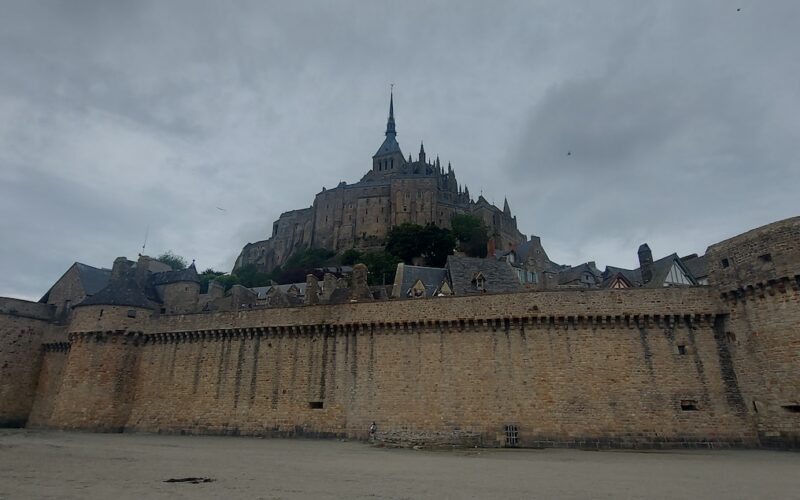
x: 421, y: 153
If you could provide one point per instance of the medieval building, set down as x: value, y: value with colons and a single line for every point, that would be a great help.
x: 396, y: 190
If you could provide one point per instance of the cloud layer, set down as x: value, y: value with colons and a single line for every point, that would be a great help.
x: 604, y: 125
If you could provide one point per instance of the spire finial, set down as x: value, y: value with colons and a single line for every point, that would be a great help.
x: 390, y: 127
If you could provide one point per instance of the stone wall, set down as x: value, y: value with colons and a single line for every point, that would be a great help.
x: 51, y: 373
x: 570, y: 368
x: 758, y: 275
x: 96, y: 389
x: 568, y: 384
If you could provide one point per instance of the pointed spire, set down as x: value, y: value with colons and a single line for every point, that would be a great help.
x: 421, y: 152
x: 449, y: 168
x: 437, y: 161
x: 506, y: 208
x: 390, y: 127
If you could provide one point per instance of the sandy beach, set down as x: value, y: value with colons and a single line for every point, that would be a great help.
x: 36, y: 464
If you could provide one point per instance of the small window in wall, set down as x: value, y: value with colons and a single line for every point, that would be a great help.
x: 316, y: 405
x: 101, y: 313
x: 689, y: 404
x: 682, y: 350
x: 163, y: 310
x: 792, y: 408
x: 725, y: 263
x: 131, y: 313
x: 765, y: 258
x: 512, y: 435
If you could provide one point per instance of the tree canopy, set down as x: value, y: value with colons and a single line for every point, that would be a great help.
x: 430, y: 242
x: 176, y: 262
x: 472, y: 235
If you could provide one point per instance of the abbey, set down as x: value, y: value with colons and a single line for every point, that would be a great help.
x: 396, y: 190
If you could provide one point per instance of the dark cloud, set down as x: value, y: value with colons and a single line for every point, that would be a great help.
x: 680, y: 120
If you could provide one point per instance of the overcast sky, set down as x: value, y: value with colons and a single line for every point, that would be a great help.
x: 606, y: 124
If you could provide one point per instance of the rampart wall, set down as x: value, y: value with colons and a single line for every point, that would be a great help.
x: 758, y: 276
x: 572, y: 368
x: 697, y: 366
x: 23, y: 326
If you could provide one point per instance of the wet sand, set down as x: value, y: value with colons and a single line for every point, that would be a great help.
x: 118, y: 466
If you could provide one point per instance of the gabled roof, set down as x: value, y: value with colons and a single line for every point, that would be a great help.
x: 122, y: 292
x: 632, y: 276
x: 696, y: 265
x: 499, y: 275
x: 164, y: 278
x: 431, y: 277
x: 573, y: 274
x: 91, y: 278
x: 661, y: 268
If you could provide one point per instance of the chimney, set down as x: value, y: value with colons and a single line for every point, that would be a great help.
x: 646, y: 263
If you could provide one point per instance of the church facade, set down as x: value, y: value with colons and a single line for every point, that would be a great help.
x: 396, y: 190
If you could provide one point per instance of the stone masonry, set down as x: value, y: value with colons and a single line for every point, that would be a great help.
x: 642, y: 367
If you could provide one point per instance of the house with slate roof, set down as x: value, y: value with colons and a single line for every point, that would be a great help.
x: 664, y: 272
x: 460, y: 276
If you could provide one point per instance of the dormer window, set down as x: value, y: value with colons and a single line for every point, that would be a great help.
x: 479, y: 282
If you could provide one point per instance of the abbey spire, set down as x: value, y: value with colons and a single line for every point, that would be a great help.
x: 390, y: 130
x: 389, y: 158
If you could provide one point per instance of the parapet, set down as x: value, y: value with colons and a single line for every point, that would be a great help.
x: 26, y: 309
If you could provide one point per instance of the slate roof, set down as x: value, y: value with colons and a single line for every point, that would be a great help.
x: 573, y: 275
x: 262, y: 291
x: 389, y: 146
x: 431, y: 277
x: 92, y: 278
x: 499, y: 275
x: 122, y: 292
x: 696, y: 265
x: 661, y: 268
x: 164, y: 278
x: 633, y: 276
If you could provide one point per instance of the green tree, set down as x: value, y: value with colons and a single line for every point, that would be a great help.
x: 298, y: 265
x: 176, y: 262
x: 250, y: 276
x: 439, y: 243
x: 471, y: 234
x: 350, y: 257
x: 381, y: 266
x: 206, y: 276
x: 430, y: 242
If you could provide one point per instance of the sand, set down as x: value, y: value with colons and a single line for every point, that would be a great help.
x: 118, y: 466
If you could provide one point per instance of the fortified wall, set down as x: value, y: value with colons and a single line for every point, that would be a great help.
x: 694, y: 366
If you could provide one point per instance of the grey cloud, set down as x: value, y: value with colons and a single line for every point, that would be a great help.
x: 681, y: 120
